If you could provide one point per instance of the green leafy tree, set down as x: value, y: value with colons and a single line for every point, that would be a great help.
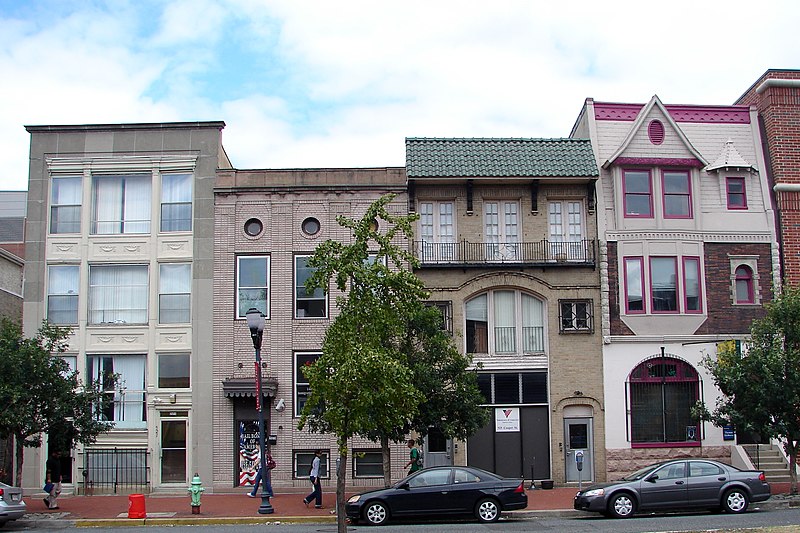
x: 39, y: 393
x: 760, y: 383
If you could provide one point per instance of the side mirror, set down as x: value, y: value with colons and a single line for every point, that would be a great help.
x: 652, y: 479
x: 405, y: 486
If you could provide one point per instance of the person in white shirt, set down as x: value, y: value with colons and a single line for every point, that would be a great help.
x: 316, y: 494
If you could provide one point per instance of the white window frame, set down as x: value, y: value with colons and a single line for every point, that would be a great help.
x: 127, y: 400
x: 359, y: 460
x: 175, y: 195
x: 566, y: 233
x: 242, y: 305
x: 527, y: 339
x: 118, y: 215
x: 109, y: 300
x: 177, y: 288
x: 502, y: 224
x: 63, y: 289
x: 437, y: 225
x: 70, y: 200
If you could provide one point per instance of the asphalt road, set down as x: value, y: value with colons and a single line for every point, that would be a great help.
x: 772, y: 521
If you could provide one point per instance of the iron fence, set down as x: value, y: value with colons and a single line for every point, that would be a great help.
x: 116, y: 470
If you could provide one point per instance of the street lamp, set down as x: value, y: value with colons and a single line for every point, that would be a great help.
x: 255, y: 321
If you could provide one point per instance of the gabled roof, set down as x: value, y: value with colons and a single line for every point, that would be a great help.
x: 639, y: 123
x: 729, y: 158
x: 486, y: 157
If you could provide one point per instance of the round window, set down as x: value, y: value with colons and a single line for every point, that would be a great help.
x: 253, y: 227
x: 311, y: 226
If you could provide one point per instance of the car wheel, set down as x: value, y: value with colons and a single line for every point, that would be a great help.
x: 622, y: 505
x: 376, y: 513
x: 487, y: 510
x: 735, y: 501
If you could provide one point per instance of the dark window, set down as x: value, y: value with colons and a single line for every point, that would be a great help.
x: 302, y: 388
x: 638, y: 193
x: 575, y: 315
x: 253, y: 227
x: 736, y: 193
x: 311, y: 226
x: 744, y: 285
x: 302, y: 464
x: 367, y: 463
x: 513, y: 387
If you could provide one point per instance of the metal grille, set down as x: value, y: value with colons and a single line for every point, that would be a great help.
x: 116, y: 470
x: 661, y: 412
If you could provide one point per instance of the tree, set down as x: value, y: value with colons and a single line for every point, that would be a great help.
x: 39, y: 393
x: 760, y: 382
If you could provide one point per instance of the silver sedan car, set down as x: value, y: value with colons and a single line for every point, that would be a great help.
x: 11, y: 504
x: 677, y: 484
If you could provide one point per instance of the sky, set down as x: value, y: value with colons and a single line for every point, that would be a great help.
x: 310, y: 84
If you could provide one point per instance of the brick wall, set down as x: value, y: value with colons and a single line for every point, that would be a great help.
x: 618, y: 327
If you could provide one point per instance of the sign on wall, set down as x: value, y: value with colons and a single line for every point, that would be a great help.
x: 506, y: 419
x: 249, y: 456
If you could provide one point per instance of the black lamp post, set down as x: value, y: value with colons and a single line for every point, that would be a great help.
x: 255, y: 321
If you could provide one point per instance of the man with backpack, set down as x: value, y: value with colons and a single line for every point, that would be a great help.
x: 415, y: 456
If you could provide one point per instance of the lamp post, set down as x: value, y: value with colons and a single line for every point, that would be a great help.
x: 255, y: 321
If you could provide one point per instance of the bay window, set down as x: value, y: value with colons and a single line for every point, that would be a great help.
x: 664, y: 284
x: 736, y: 193
x: 634, y: 285
x: 677, y: 194
x: 637, y: 193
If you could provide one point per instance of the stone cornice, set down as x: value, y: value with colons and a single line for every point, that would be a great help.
x: 614, y: 236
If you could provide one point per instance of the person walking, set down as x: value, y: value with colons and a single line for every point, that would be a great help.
x: 415, y: 461
x: 53, y: 477
x: 267, y: 480
x: 316, y: 494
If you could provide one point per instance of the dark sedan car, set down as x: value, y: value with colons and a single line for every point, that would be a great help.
x: 677, y: 484
x: 439, y: 491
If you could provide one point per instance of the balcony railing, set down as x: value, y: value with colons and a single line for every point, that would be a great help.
x: 538, y: 253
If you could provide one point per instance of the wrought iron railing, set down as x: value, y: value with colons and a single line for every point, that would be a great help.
x: 544, y: 252
x: 116, y: 471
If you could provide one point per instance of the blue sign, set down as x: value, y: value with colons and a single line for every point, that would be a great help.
x: 728, y: 433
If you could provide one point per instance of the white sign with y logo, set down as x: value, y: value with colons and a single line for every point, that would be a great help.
x: 506, y: 419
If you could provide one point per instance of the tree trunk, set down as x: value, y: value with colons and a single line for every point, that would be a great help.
x: 341, y: 470
x: 387, y: 461
x: 791, y: 451
x: 19, y: 455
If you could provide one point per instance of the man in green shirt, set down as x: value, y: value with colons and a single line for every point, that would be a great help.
x: 415, y: 459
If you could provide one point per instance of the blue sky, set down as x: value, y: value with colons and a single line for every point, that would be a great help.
x: 341, y: 84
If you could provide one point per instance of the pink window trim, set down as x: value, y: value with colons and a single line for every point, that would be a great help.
x: 749, y: 279
x: 677, y: 287
x: 625, y: 194
x: 686, y: 309
x: 690, y: 444
x: 639, y: 260
x: 664, y: 194
x: 730, y: 180
x: 659, y: 161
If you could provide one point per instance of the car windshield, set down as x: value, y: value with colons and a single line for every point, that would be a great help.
x: 639, y: 474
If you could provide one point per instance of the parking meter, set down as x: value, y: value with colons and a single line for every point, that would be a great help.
x: 579, y: 460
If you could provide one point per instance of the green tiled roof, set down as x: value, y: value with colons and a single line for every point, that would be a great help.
x: 435, y: 157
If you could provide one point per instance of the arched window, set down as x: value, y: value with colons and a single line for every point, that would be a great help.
x: 661, y: 393
x: 744, y: 285
x: 504, y: 322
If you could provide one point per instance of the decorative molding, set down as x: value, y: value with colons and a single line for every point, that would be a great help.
x: 679, y: 113
x: 686, y: 236
x: 117, y: 163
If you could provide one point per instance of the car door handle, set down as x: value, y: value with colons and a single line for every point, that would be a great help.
x: 723, y: 478
x: 679, y: 482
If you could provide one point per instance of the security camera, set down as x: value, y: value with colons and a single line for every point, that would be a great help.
x: 280, y: 406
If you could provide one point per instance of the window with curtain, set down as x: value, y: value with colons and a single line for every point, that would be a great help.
x: 62, y: 294
x: 176, y: 202
x: 174, y: 293
x: 437, y: 231
x: 507, y: 321
x: 65, y: 204
x: 252, y: 284
x: 661, y: 394
x: 566, y: 232
x: 501, y: 230
x: 124, y: 404
x: 118, y: 294
x: 307, y: 304
x: 122, y: 204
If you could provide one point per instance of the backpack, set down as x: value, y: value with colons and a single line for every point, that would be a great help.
x: 419, y: 458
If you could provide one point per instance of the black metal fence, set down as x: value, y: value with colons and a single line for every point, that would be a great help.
x: 116, y: 471
x: 542, y: 252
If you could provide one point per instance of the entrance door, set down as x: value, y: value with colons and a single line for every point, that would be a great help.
x: 173, y: 451
x: 438, y: 449
x: 578, y: 437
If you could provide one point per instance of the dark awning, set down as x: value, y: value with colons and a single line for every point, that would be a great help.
x: 246, y: 387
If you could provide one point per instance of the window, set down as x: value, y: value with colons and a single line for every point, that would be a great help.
x: 464, y: 476
x: 124, y: 404
x: 173, y: 371
x: 252, y: 291
x: 311, y: 226
x: 65, y: 204
x: 664, y: 284
x: 736, y: 193
x: 302, y: 464
x: 691, y: 282
x: 301, y: 387
x: 505, y: 322
x: 307, y: 304
x: 513, y: 387
x: 634, y: 285
x: 566, y: 232
x: 677, y: 194
x: 253, y: 227
x: 72, y: 362
x: 501, y: 220
x: 176, y: 202
x: 673, y: 471
x: 437, y: 231
x: 744, y: 285
x: 446, y: 309
x: 62, y: 294
x: 118, y: 294
x: 638, y: 193
x: 431, y: 478
x: 575, y: 316
x: 174, y: 293
x: 700, y: 468
x: 661, y: 394
x: 121, y: 204
x: 367, y: 463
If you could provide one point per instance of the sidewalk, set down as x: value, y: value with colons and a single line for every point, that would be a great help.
x: 237, y: 508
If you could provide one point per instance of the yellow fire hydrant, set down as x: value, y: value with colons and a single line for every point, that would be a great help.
x: 195, y: 490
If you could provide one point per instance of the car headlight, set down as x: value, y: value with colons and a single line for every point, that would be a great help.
x: 354, y: 499
x: 594, y: 492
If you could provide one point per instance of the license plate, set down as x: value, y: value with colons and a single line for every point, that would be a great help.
x: 15, y: 497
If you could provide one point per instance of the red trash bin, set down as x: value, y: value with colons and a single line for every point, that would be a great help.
x: 136, y: 506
